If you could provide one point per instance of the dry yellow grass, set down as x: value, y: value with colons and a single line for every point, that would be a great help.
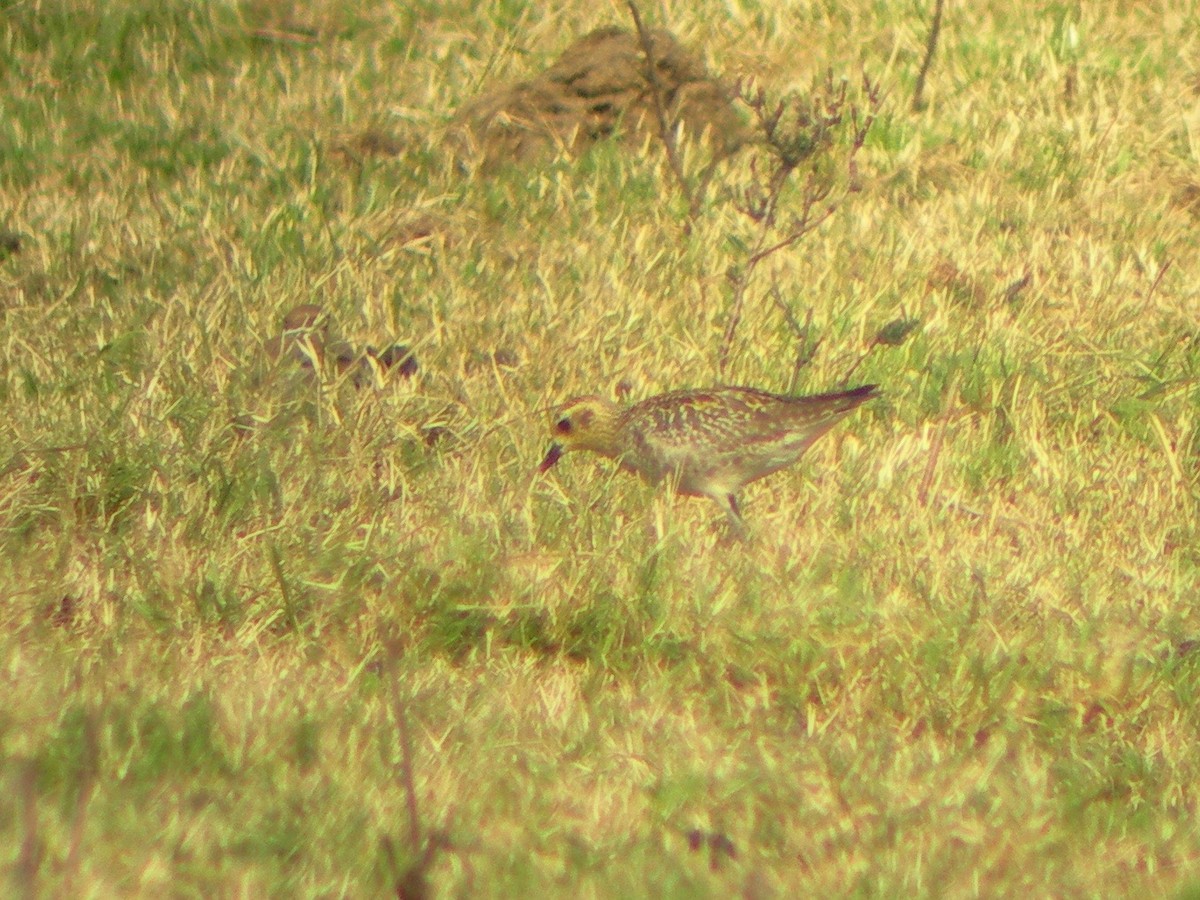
x: 958, y: 658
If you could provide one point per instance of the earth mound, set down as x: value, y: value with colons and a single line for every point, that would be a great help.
x: 598, y: 87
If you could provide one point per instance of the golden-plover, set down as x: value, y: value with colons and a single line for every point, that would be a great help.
x: 708, y: 443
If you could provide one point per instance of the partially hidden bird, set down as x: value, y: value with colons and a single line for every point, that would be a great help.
x: 708, y: 443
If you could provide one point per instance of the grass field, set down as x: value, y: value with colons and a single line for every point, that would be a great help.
x: 265, y: 634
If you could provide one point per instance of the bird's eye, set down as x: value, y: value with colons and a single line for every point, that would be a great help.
x: 563, y: 426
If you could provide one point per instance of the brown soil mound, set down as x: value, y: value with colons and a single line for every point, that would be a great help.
x: 596, y: 87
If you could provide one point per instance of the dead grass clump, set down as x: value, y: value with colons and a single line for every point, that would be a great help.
x: 948, y: 278
x: 597, y: 88
x: 308, y: 340
x: 1187, y: 198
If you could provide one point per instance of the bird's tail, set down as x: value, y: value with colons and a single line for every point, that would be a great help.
x: 817, y: 413
x: 837, y: 403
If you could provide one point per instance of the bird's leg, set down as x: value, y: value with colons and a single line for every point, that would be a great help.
x: 737, y: 524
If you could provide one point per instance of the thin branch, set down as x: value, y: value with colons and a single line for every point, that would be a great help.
x: 801, y: 229
x: 29, y: 858
x: 1154, y: 284
x: 935, y: 452
x: 893, y: 334
x: 806, y: 347
x: 415, y: 837
x: 935, y: 28
x: 740, y: 279
x: 87, y: 783
x: 660, y: 109
x: 935, y: 449
x: 794, y: 130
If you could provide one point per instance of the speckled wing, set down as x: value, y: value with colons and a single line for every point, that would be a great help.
x: 738, y: 418
x: 695, y: 435
x: 727, y: 437
x: 659, y: 441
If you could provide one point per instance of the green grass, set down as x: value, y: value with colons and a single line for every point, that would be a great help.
x: 958, y: 655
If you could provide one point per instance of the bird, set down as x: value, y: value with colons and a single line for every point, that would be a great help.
x: 708, y: 443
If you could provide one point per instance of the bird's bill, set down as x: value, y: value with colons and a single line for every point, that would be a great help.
x: 552, y: 456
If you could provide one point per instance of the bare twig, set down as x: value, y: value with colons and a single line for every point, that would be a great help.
x: 806, y: 347
x: 666, y: 130
x: 935, y: 451
x: 285, y: 591
x: 935, y: 27
x: 415, y: 837
x: 424, y: 845
x: 804, y: 224
x: 893, y: 334
x: 935, y: 448
x: 29, y: 859
x: 300, y: 37
x: 1154, y: 284
x: 739, y: 278
x: 1013, y: 292
x: 794, y: 130
x: 87, y: 782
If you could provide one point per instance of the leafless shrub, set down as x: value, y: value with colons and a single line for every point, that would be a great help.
x: 796, y: 132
